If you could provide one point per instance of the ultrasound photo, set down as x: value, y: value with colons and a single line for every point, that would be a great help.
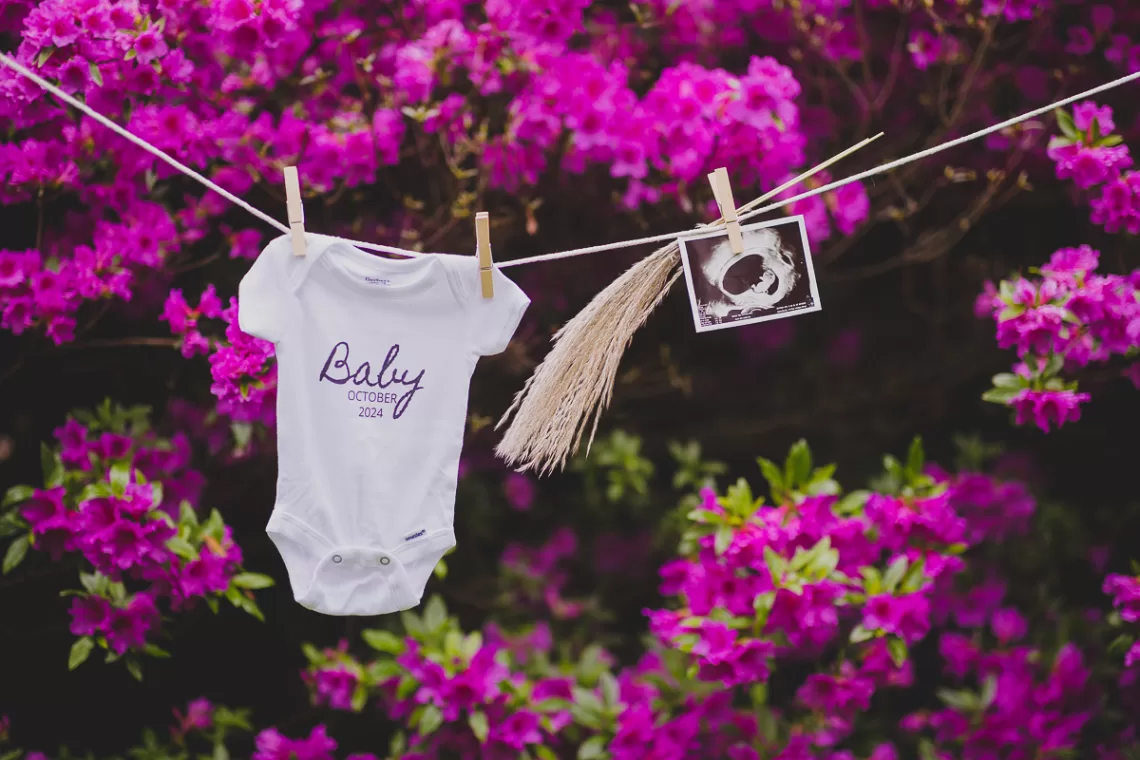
x: 771, y: 279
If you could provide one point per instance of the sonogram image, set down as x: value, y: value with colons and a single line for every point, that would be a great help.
x: 772, y: 278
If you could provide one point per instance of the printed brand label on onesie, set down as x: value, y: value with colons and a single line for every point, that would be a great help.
x: 773, y: 278
x: 380, y: 391
x: 418, y: 534
x: 377, y: 280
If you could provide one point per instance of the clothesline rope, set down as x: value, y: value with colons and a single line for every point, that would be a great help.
x: 749, y: 213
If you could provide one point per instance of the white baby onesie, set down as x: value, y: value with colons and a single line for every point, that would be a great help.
x: 374, y: 361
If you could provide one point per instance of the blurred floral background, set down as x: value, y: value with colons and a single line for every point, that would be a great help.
x: 946, y: 571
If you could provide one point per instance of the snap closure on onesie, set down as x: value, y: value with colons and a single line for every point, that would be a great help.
x: 354, y: 580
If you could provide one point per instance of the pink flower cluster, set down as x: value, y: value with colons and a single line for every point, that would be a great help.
x: 786, y: 582
x: 271, y: 744
x: 183, y: 320
x: 245, y: 374
x: 123, y: 504
x: 705, y: 726
x: 793, y: 566
x: 335, y: 679
x: 535, y: 577
x: 1125, y: 593
x: 1089, y: 154
x: 1025, y: 708
x: 558, y: 83
x: 1067, y: 319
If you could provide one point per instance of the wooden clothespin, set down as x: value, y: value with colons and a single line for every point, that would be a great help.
x: 483, y: 247
x: 722, y: 192
x: 295, y: 209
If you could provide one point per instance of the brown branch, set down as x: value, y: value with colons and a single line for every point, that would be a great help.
x: 893, y: 72
x: 933, y: 245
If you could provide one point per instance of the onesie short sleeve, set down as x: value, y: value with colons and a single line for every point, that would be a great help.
x: 264, y: 295
x: 496, y: 319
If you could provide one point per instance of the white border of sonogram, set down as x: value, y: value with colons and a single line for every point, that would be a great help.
x: 807, y: 263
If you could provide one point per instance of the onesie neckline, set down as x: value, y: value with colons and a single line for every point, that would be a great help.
x: 424, y: 269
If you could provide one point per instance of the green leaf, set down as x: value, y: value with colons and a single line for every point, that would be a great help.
x: 384, y: 670
x: 1054, y: 365
x: 797, y: 467
x: 187, y: 515
x: 80, y: 650
x: 215, y: 526
x: 860, y: 634
x: 872, y: 580
x: 156, y: 651
x: 220, y: 752
x: 772, y: 474
x: 17, y: 550
x: 593, y: 748
x: 383, y: 641
x: 915, y: 457
x: 250, y: 607
x: 723, y: 539
x: 182, y: 548
x: 1066, y: 125
x: 959, y: 700
x: 134, y: 668
x: 1000, y: 395
x: 44, y: 55
x: 611, y: 694
x: 897, y: 649
x: 99, y: 490
x: 587, y: 698
x: 895, y: 573
x: 989, y: 690
x: 852, y: 502
x: 440, y: 570
x: 776, y: 564
x: 544, y: 753
x: 251, y: 580
x: 412, y: 623
x: 13, y: 755
x: 17, y: 495
x: 472, y: 643
x: 1109, y: 141
x: 359, y: 697
x: 914, y: 577
x: 479, y: 726
x: 1007, y: 380
x: 430, y: 719
x: 51, y: 466
x: 435, y: 614
x: 120, y: 476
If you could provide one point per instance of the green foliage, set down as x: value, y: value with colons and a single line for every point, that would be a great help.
x: 798, y: 479
x: 616, y: 469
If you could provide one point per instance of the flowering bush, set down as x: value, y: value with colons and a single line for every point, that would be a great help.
x: 1070, y: 316
x: 789, y: 620
x: 935, y: 614
x: 120, y: 502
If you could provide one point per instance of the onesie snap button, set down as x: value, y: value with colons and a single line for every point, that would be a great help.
x: 384, y: 560
x: 336, y: 558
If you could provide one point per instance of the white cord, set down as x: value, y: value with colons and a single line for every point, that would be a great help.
x: 947, y: 145
x: 18, y: 68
